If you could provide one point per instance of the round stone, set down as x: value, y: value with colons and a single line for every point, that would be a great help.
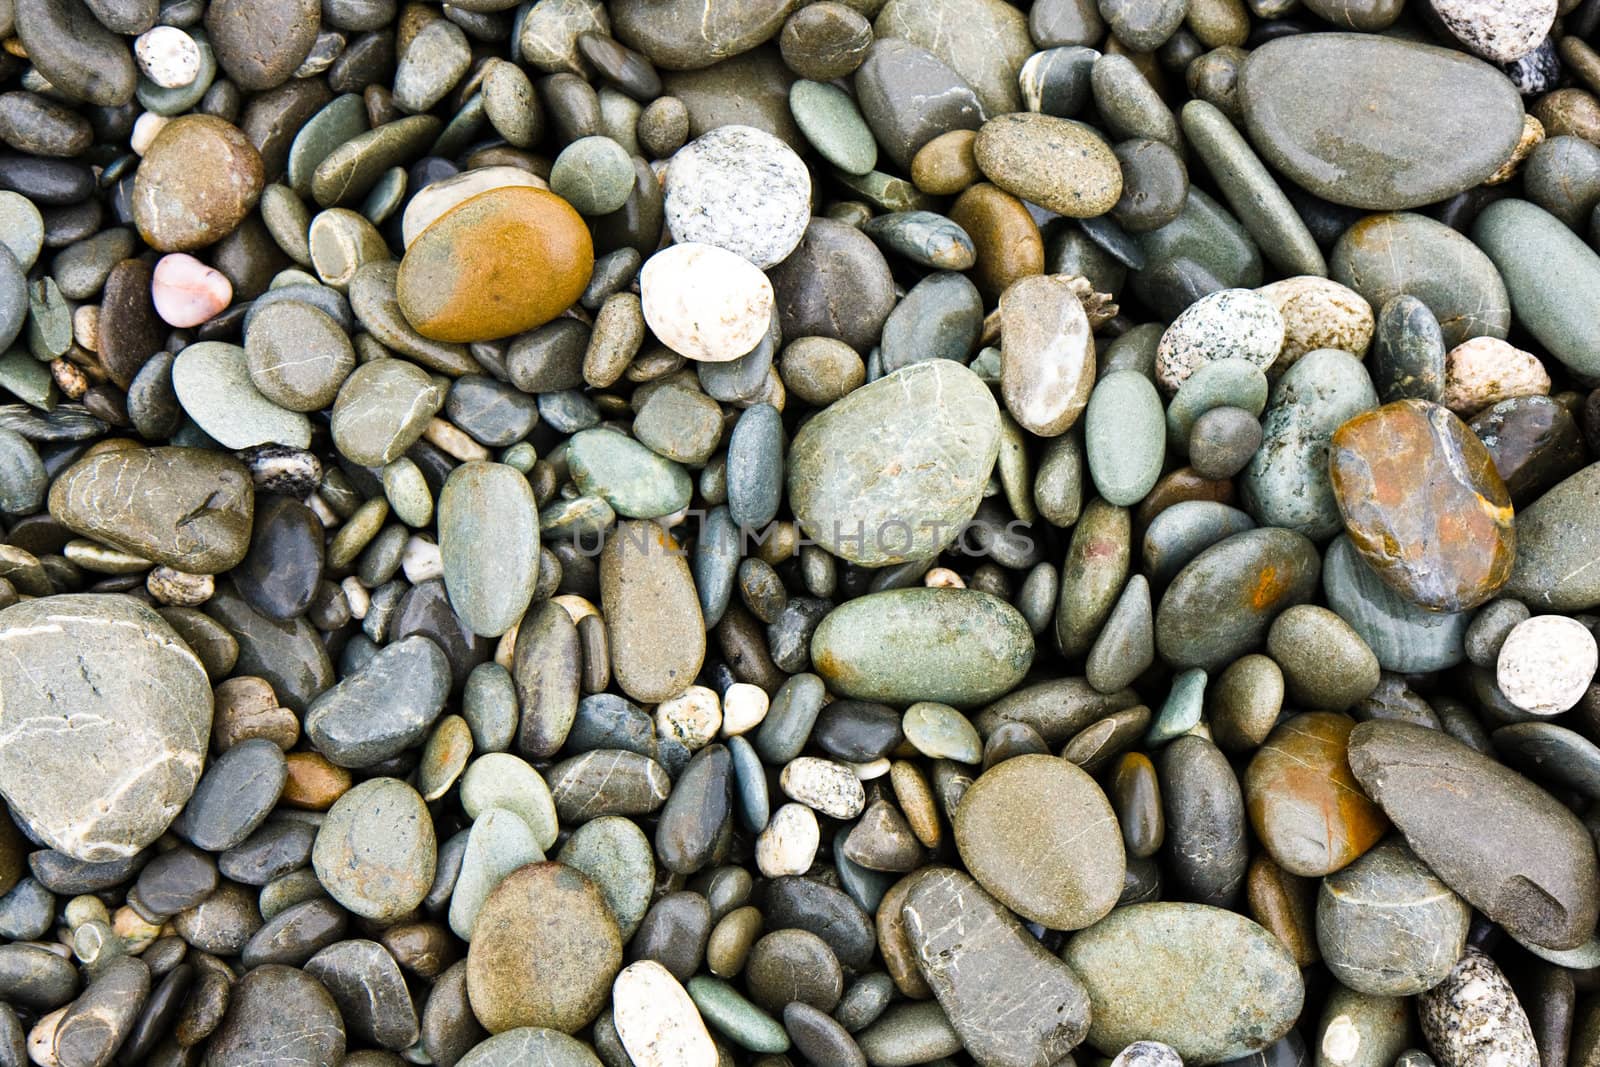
x: 382, y: 409
x: 740, y: 189
x: 1387, y: 925
x: 1228, y: 324
x: 505, y: 261
x: 1319, y: 313
x: 167, y: 56
x: 705, y: 302
x: 297, y: 355
x: 544, y: 951
x: 199, y: 178
x: 1546, y: 664
x: 186, y: 292
x: 937, y: 423
x: 98, y: 680
x: 279, y: 1014
x: 1037, y: 832
x: 1486, y: 370
x: 375, y: 851
x: 593, y: 174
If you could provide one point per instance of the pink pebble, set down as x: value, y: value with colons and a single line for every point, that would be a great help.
x: 187, y: 292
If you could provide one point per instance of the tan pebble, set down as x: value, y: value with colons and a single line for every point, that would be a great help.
x: 943, y: 578
x: 145, y: 128
x: 171, y: 586
x: 69, y: 379
x: 789, y: 843
x: 691, y: 718
x: 450, y: 438
x: 744, y: 707
x: 705, y: 302
x: 1532, y: 134
x: 86, y: 327
x: 355, y: 594
x: 421, y: 560
x: 1487, y: 370
x: 1318, y: 313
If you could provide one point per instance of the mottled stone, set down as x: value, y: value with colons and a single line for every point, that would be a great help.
x: 936, y: 423
x: 1056, y: 163
x: 282, y: 1015
x: 1011, y: 1001
x: 1473, y: 1017
x: 741, y: 189
x: 99, y: 681
x: 376, y: 851
x: 1423, y: 504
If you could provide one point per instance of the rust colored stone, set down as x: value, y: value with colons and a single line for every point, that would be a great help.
x: 1303, y: 801
x: 314, y: 783
x: 501, y: 262
x: 1423, y: 504
x: 1005, y: 236
x: 1286, y: 905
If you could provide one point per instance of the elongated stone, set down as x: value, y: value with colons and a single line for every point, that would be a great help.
x: 652, y: 612
x: 1013, y: 1003
x: 1508, y: 847
x: 1221, y: 604
x: 384, y: 708
x: 482, y: 505
x: 935, y: 424
x: 1551, y: 276
x: 951, y: 646
x: 1557, y: 541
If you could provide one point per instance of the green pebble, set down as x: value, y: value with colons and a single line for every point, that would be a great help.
x: 594, y: 175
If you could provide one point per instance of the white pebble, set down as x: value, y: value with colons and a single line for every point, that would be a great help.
x: 356, y: 595
x: 871, y: 769
x: 145, y: 128
x: 742, y: 189
x: 1546, y: 664
x: 170, y: 586
x: 789, y: 843
x: 829, y: 787
x: 421, y: 560
x: 657, y: 1021
x: 744, y: 706
x: 690, y: 718
x: 1227, y: 324
x: 325, y: 514
x: 704, y: 302
x: 167, y: 56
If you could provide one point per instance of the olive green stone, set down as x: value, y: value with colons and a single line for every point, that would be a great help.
x: 951, y: 646
x: 1129, y: 105
x: 382, y: 410
x: 1222, y: 603
x: 340, y: 120
x: 1286, y: 483
x: 677, y: 35
x: 1325, y: 662
x: 652, y: 612
x: 1385, y: 256
x: 1235, y: 383
x: 1375, y: 122
x: 727, y: 1011
x: 935, y: 422
x: 1551, y: 275
x: 939, y: 731
x: 1557, y: 538
x: 627, y: 475
x: 375, y: 851
x: 1204, y: 249
x: 350, y: 171
x: 833, y: 124
x: 297, y: 356
x: 1125, y: 437
x: 1095, y: 567
x: 1404, y: 637
x: 1251, y: 191
x: 212, y: 380
x: 616, y: 856
x: 1210, y: 983
x: 185, y: 507
x: 1038, y: 833
x: 489, y: 504
x: 593, y: 174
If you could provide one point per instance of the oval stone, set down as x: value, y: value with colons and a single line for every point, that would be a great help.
x: 1038, y: 833
x: 188, y: 508
x: 375, y: 851
x: 544, y: 951
x: 1375, y: 122
x: 212, y: 380
x: 1046, y: 354
x: 103, y: 682
x: 1304, y: 803
x: 1221, y: 604
x: 1552, y: 276
x: 1125, y: 437
x: 1210, y: 983
x: 1387, y: 925
x: 505, y: 261
x: 383, y: 708
x: 1404, y: 636
x: 890, y: 472
x: 1059, y: 164
x: 1557, y: 539
x: 281, y: 1015
x: 652, y: 612
x: 1423, y: 504
x: 1286, y: 483
x: 1509, y: 848
x: 489, y: 542
x: 952, y: 646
